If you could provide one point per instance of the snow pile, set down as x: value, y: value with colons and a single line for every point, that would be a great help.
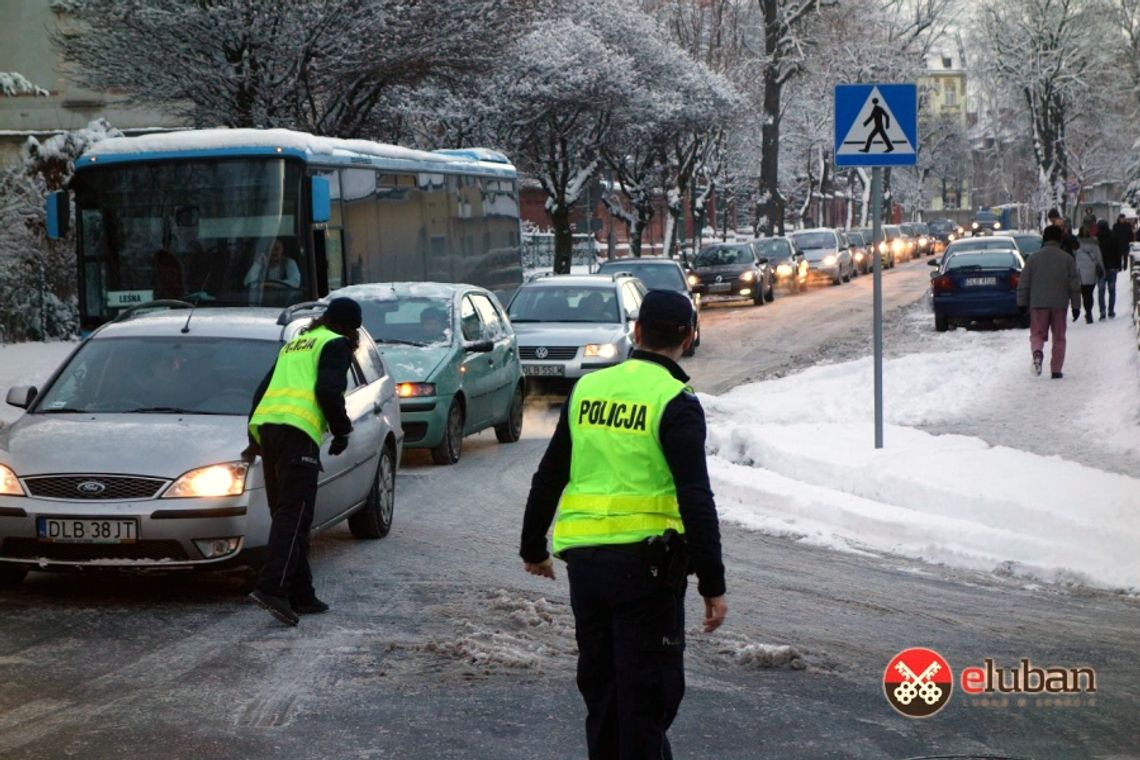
x: 795, y: 456
x: 756, y: 655
x: 13, y: 84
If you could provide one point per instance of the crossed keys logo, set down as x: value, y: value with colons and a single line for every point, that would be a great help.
x: 918, y: 682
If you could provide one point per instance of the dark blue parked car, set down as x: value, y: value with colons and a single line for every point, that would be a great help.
x: 976, y: 285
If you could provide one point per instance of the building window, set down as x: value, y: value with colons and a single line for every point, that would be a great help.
x: 949, y: 92
x: 947, y: 63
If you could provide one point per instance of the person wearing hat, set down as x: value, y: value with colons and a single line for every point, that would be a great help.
x: 300, y: 398
x: 1069, y: 241
x: 626, y: 472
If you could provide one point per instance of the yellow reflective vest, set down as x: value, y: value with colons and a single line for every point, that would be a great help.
x: 621, y: 489
x: 291, y: 398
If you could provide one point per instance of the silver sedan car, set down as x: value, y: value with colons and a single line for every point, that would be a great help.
x: 129, y: 457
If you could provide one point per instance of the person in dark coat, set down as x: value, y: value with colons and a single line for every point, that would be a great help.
x: 1125, y: 236
x: 300, y: 399
x: 1048, y: 284
x: 1112, y: 255
x: 626, y: 462
x: 1069, y: 241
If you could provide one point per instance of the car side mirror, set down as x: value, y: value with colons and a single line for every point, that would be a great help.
x: 763, y: 260
x: 632, y: 316
x: 933, y: 262
x: 479, y: 346
x: 22, y: 396
x: 798, y: 255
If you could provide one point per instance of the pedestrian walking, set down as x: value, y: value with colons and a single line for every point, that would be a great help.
x: 626, y: 471
x: 1049, y: 284
x: 1123, y: 233
x: 300, y: 398
x: 1091, y: 267
x: 1112, y: 254
x: 1069, y: 241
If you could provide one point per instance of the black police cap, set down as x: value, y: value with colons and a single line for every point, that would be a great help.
x: 666, y: 308
x: 344, y: 311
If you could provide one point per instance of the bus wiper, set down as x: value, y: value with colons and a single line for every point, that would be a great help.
x: 396, y: 341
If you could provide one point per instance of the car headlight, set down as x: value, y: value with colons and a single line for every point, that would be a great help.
x: 896, y: 245
x: 975, y: 225
x: 226, y: 479
x: 747, y: 276
x: 9, y: 485
x: 923, y: 241
x: 829, y: 260
x: 859, y: 256
x: 883, y: 247
x: 694, y: 280
x: 784, y: 270
x: 410, y: 390
x: 952, y: 237
x: 997, y: 225
x: 601, y: 350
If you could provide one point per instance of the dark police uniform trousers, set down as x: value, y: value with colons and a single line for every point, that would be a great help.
x: 291, y: 466
x: 631, y: 639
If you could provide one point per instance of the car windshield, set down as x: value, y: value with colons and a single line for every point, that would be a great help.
x: 772, y: 248
x: 655, y: 276
x: 985, y: 216
x: 986, y: 260
x: 921, y: 228
x: 569, y: 303
x: 807, y: 240
x: 1027, y: 244
x: 161, y: 376
x: 411, y: 321
x: 941, y: 226
x: 721, y: 255
x: 891, y: 230
x: 856, y: 238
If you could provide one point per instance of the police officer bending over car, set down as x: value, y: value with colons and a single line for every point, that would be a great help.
x: 301, y: 397
x: 626, y: 471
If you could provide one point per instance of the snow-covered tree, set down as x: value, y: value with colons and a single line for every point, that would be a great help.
x: 1048, y: 54
x: 323, y: 66
x: 37, y: 276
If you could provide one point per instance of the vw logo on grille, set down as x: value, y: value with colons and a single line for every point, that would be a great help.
x: 719, y: 278
x: 541, y: 352
x: 91, y: 487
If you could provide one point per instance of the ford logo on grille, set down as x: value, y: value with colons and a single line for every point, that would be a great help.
x: 91, y: 487
x: 541, y: 352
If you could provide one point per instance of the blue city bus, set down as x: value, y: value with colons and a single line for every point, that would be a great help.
x: 248, y: 217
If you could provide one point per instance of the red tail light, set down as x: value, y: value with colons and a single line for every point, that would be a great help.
x: 942, y: 284
x: 1014, y: 278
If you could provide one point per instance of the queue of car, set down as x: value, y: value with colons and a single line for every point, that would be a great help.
x: 171, y: 387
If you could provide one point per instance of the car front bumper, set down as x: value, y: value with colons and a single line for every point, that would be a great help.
x: 168, y: 530
x: 423, y: 419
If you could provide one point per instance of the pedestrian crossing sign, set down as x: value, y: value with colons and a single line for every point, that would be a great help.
x: 876, y: 124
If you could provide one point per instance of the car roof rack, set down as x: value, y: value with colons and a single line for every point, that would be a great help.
x: 165, y: 303
x: 288, y: 314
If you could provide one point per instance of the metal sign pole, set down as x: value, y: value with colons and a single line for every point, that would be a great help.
x: 877, y: 238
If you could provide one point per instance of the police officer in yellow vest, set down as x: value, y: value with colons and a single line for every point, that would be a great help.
x: 300, y: 398
x: 626, y: 472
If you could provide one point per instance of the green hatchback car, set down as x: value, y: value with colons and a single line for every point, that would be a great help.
x: 455, y: 359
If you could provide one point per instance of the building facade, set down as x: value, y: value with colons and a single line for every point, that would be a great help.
x: 944, y: 105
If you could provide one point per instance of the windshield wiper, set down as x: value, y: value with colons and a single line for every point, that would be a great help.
x: 401, y: 342
x: 517, y: 321
x: 62, y: 410
x: 161, y: 410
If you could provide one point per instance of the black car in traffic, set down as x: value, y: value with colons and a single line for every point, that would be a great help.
x: 732, y: 270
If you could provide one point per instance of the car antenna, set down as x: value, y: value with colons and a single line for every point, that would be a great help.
x: 197, y: 298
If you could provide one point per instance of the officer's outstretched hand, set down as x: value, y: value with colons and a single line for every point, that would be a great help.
x: 716, y: 607
x: 544, y: 568
x: 250, y: 452
x: 338, y: 445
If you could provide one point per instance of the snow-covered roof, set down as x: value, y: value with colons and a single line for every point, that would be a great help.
x: 296, y: 143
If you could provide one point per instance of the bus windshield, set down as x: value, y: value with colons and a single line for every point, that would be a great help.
x: 218, y: 232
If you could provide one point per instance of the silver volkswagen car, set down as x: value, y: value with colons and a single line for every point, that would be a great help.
x: 569, y: 325
x: 129, y: 456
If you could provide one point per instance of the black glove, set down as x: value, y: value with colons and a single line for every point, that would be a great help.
x: 1076, y: 313
x: 250, y: 452
x: 338, y: 445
